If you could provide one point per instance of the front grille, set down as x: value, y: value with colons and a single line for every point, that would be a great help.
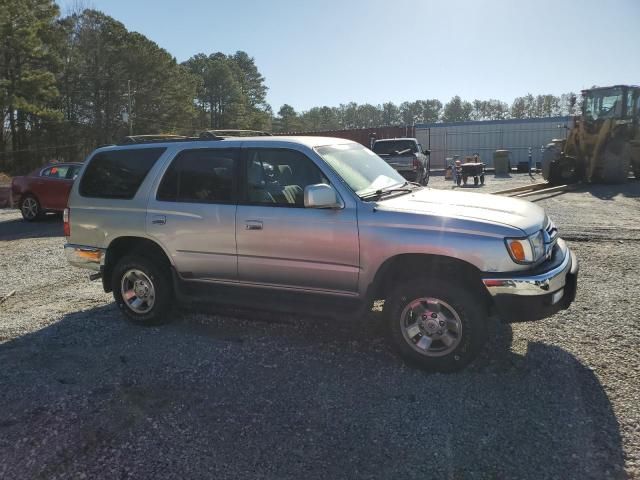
x: 550, y: 237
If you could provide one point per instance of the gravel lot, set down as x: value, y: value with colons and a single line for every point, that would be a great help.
x: 86, y: 395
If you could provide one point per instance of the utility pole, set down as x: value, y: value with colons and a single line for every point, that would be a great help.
x: 129, y: 111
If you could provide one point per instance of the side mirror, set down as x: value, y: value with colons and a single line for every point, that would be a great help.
x: 321, y: 195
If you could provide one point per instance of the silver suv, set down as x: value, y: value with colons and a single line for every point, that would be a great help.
x: 307, y: 223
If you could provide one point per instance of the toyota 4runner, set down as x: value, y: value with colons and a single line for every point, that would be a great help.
x: 306, y: 223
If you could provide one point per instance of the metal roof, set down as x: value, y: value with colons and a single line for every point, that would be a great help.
x: 494, y: 122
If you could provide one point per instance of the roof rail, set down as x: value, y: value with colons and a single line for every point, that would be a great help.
x: 136, y: 139
x: 214, y: 134
x: 206, y: 135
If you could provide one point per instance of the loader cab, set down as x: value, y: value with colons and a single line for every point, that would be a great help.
x: 619, y: 102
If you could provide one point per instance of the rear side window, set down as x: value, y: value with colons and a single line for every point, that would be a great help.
x: 200, y: 176
x: 56, y: 172
x: 118, y: 173
x: 72, y: 173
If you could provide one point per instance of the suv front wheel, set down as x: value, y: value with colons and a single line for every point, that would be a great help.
x: 437, y: 325
x: 142, y: 290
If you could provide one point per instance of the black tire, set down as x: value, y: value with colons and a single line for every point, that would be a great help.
x: 464, y: 179
x: 476, y: 180
x: 30, y: 209
x: 160, y: 279
x: 425, y: 178
x: 469, y: 307
x: 482, y: 179
x: 616, y: 163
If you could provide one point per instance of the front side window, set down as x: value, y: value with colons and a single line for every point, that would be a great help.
x: 200, y: 176
x: 364, y: 171
x: 118, y: 173
x: 278, y: 177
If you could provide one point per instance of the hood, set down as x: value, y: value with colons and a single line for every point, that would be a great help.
x: 480, y: 207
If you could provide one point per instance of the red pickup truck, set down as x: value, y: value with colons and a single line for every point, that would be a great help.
x: 43, y: 190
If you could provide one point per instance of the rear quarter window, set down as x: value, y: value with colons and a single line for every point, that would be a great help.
x: 118, y: 173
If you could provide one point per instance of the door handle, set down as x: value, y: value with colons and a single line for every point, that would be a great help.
x: 158, y: 220
x: 253, y: 225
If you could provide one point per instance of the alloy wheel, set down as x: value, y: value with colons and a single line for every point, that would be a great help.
x: 431, y: 326
x: 138, y: 291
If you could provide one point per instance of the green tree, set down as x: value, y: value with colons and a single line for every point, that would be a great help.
x: 390, y: 114
x: 409, y: 113
x: 519, y: 108
x: 369, y: 116
x: 27, y: 65
x: 319, y: 118
x: 420, y: 111
x: 489, y: 110
x: 162, y: 90
x: 570, y: 104
x: 457, y: 110
x: 231, y: 91
x: 287, y: 120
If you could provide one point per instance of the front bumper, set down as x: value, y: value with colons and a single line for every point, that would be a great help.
x: 84, y: 257
x: 539, y: 293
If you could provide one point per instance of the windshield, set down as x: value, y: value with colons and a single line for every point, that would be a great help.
x: 391, y: 147
x: 360, y: 168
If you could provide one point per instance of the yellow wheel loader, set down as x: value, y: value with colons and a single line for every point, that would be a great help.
x: 604, y: 144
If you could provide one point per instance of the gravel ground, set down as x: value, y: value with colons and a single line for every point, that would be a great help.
x: 492, y: 183
x: 240, y: 395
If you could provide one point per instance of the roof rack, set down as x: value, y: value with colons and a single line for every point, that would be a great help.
x: 213, y: 134
x: 135, y: 139
x: 206, y: 135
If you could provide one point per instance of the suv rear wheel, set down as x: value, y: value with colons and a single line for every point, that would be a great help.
x: 142, y: 290
x: 438, y: 326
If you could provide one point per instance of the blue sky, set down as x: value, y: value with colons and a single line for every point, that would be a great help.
x: 328, y: 52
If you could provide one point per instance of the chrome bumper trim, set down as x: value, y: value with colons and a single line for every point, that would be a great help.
x: 540, y: 284
x: 84, y: 257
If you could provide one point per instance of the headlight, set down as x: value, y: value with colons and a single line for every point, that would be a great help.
x: 526, y: 250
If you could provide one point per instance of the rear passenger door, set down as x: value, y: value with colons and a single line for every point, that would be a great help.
x: 193, y: 213
x: 283, y: 244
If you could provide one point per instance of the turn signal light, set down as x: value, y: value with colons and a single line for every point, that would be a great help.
x: 517, y: 250
x: 92, y: 256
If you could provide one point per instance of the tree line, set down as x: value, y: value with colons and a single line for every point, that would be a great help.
x: 71, y: 83
x: 352, y: 115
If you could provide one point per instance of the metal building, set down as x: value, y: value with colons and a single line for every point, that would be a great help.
x: 463, y: 139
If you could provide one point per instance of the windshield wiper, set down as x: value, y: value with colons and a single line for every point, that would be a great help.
x: 406, y: 187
